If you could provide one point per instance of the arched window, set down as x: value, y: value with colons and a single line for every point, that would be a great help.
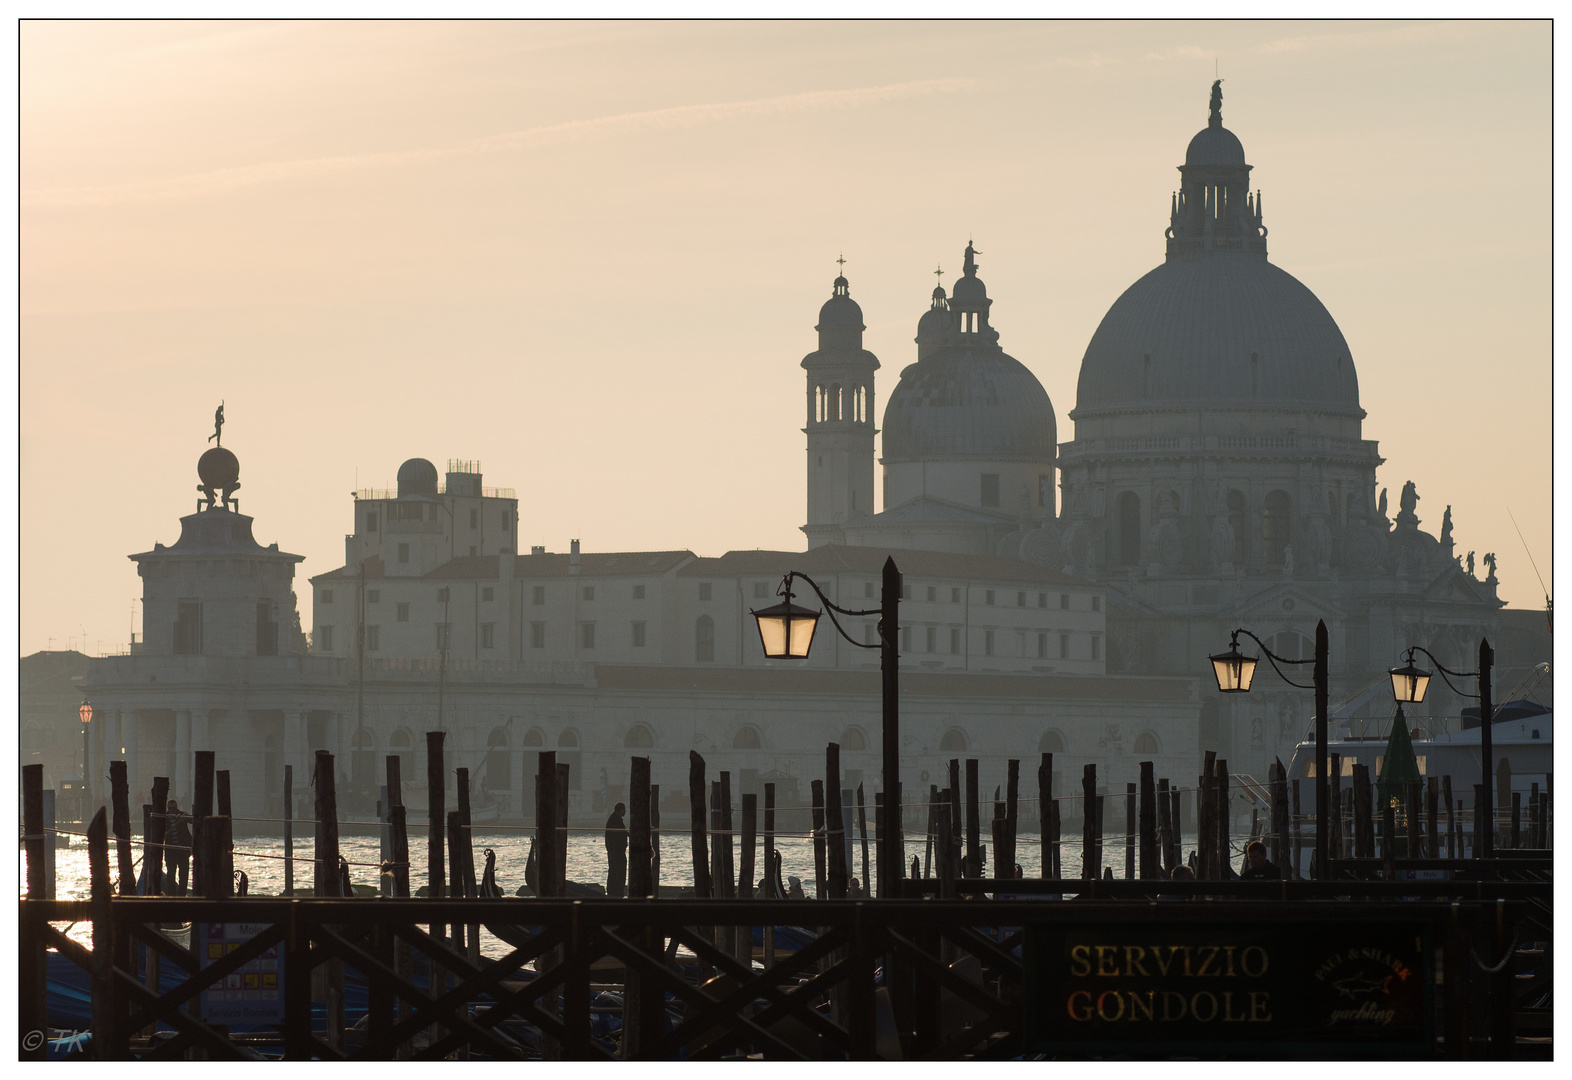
x: 1146, y: 743
x: 638, y: 737
x: 954, y: 739
x: 499, y: 762
x: 747, y: 738
x: 363, y: 758
x: 852, y: 739
x: 1274, y: 527
x: 534, y: 737
x: 568, y: 754
x: 704, y: 639
x: 1236, y: 522
x: 1129, y: 529
x: 1052, y: 742
x: 1293, y: 645
x: 399, y: 746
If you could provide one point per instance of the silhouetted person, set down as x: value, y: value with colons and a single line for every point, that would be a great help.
x: 177, y: 833
x: 617, y: 853
x: 916, y: 867
x: 1259, y: 869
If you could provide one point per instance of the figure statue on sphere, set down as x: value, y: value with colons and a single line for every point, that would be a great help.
x: 1446, y: 525
x: 218, y: 425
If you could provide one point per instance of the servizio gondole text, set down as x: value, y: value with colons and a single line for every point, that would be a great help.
x: 1203, y: 1004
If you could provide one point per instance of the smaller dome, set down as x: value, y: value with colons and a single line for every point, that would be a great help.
x: 840, y: 311
x: 968, y: 290
x: 1215, y: 145
x: 417, y: 476
x: 218, y: 468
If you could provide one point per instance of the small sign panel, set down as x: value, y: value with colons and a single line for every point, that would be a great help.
x: 252, y: 995
x: 1308, y: 987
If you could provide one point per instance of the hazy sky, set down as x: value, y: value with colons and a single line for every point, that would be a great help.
x: 591, y: 256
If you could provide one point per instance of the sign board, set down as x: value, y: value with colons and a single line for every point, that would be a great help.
x: 252, y: 995
x: 1316, y: 986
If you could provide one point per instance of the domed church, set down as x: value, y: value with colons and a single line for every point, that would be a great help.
x: 1218, y: 475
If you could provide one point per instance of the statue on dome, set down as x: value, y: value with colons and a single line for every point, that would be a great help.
x: 970, y: 267
x: 1446, y: 526
x: 218, y: 425
x: 1409, y: 498
x: 1217, y: 101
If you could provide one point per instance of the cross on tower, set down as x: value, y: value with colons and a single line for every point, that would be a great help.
x: 938, y: 272
x: 842, y: 263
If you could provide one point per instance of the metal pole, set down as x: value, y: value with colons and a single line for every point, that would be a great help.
x: 87, y: 785
x: 890, y: 854
x: 1322, y: 808
x: 1484, y: 846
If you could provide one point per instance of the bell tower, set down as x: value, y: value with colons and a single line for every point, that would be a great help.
x: 840, y: 420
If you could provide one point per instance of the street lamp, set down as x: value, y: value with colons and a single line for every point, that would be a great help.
x: 85, y: 713
x: 1235, y: 671
x: 1409, y: 683
x: 786, y: 633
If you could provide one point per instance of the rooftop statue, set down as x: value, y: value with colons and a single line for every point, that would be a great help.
x: 970, y: 267
x: 1446, y: 525
x: 218, y: 425
x: 1409, y: 499
x: 1217, y: 102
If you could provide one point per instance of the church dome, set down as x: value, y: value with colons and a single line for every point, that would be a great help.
x: 969, y: 402
x: 840, y: 311
x: 1218, y: 330
x: 1215, y: 146
x: 417, y: 476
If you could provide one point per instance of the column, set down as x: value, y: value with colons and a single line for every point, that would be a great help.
x: 518, y: 761
x: 294, y: 742
x: 129, y: 730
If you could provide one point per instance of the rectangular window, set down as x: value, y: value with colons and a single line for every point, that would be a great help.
x: 327, y: 596
x: 474, y: 519
x: 324, y: 639
x: 955, y: 596
x: 990, y: 597
x: 906, y: 641
x: 442, y: 595
x: 1064, y: 646
x: 373, y: 596
x: 1042, y: 599
x: 403, y: 612
x: 638, y: 635
x: 473, y: 550
x: 955, y: 641
x: 267, y: 630
x: 1042, y: 646
x: 987, y: 642
x: 1097, y: 603
x: 990, y: 489
x: 933, y: 593
x: 1064, y: 601
x: 761, y: 592
x: 443, y: 633
x: 867, y: 588
x: 589, y: 592
x: 537, y: 635
x: 638, y: 592
x: 1096, y: 647
x: 1020, y: 599
x: 487, y: 594
x: 371, y: 521
x: 188, y: 628
x: 704, y: 590
x: 403, y: 553
x: 373, y: 638
x: 587, y: 635
x: 933, y: 637
x: 504, y: 521
x: 488, y: 635
x: 538, y: 596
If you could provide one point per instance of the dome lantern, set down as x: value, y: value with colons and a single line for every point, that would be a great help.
x: 1213, y: 210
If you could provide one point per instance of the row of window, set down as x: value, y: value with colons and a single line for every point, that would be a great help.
x: 931, y: 638
x: 374, y: 596
x: 421, y: 511
x: 1276, y: 524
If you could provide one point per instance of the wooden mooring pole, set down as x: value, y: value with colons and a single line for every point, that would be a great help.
x: 1089, y: 835
x: 701, y: 860
x: 1147, y: 823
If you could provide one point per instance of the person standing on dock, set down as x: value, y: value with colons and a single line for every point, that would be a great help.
x: 1259, y: 869
x: 617, y: 853
x: 177, y: 827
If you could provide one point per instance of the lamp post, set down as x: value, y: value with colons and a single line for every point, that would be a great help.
x: 85, y: 713
x: 1409, y: 683
x: 786, y: 633
x: 1234, y: 672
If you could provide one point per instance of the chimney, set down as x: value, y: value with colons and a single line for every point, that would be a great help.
x: 573, y: 557
x: 537, y: 549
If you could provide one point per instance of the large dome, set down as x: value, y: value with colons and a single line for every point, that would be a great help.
x: 965, y: 401
x: 1215, y: 331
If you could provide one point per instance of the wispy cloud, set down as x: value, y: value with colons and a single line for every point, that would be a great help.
x: 588, y: 130
x: 1384, y: 37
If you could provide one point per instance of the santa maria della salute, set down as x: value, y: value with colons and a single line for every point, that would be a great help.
x: 1064, y: 584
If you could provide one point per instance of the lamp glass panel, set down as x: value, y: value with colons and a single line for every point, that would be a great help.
x: 1409, y: 683
x: 802, y: 629
x: 773, y: 633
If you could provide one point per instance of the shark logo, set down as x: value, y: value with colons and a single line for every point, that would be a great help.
x: 1359, y: 986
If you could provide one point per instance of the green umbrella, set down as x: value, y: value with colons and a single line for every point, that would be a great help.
x: 1399, y: 765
